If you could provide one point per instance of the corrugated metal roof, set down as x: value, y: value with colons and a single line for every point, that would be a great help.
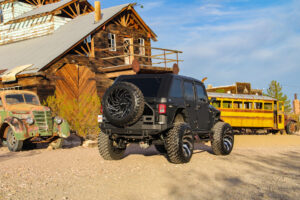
x: 44, y: 9
x: 239, y: 96
x: 41, y: 51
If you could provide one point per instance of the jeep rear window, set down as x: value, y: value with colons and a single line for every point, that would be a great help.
x: 19, y: 98
x: 176, y: 89
x: 148, y: 86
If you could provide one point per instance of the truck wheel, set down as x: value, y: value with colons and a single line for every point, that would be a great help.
x: 223, y: 139
x: 107, y: 149
x: 179, y: 143
x: 12, y: 143
x: 161, y: 148
x: 291, y: 128
x: 123, y: 104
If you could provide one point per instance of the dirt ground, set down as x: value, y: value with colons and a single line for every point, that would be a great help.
x: 260, y: 167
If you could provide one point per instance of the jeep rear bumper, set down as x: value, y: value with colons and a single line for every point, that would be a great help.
x: 135, y: 132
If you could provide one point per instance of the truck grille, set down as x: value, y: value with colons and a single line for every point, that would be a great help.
x: 43, y: 120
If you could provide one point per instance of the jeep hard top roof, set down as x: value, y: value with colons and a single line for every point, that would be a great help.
x: 166, y: 75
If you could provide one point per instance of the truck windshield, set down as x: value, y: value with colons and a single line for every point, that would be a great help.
x: 148, y: 86
x: 12, y: 99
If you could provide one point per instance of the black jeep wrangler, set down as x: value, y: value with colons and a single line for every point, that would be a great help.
x: 166, y: 110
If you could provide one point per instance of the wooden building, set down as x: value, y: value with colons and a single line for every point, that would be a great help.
x: 72, y: 48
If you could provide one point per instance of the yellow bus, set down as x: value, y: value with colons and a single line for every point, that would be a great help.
x: 253, y: 112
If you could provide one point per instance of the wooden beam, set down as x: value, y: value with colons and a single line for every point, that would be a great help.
x: 116, y: 74
x: 68, y: 13
x: 36, y: 3
x: 85, y: 51
x: 79, y: 53
x: 70, y: 7
x: 88, y: 46
x: 30, y: 2
x: 115, y: 68
x: 92, y: 46
x: 84, y: 9
x: 77, y: 8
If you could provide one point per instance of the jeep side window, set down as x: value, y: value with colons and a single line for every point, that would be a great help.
x: 176, y: 89
x: 189, y: 93
x: 201, y: 93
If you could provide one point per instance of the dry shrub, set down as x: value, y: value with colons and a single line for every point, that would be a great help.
x: 81, y: 113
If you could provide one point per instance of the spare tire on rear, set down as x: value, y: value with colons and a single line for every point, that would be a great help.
x: 123, y: 104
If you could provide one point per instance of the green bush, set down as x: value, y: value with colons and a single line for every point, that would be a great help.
x: 81, y: 113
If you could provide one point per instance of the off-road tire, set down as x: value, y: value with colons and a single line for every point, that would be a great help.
x: 289, y: 129
x: 222, y: 139
x: 134, y: 97
x: 160, y: 148
x: 179, y: 143
x: 107, y: 149
x: 12, y: 143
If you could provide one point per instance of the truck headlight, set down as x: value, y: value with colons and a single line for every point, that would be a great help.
x: 30, y: 121
x: 58, y: 120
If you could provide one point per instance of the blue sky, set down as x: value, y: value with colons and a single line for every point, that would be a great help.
x: 230, y: 40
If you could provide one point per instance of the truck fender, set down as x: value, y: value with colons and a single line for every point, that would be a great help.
x: 63, y: 129
x: 16, y: 125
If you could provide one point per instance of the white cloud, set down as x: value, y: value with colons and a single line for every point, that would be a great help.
x: 229, y: 44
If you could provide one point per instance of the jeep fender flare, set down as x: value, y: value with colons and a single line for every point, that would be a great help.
x: 180, y: 110
x: 17, y: 127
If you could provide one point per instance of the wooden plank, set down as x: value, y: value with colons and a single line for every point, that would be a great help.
x: 113, y: 69
x: 116, y: 74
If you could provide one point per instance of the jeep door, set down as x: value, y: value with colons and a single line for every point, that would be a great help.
x: 190, y: 103
x: 202, y: 108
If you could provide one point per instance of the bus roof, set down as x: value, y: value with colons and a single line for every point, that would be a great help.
x: 240, y: 96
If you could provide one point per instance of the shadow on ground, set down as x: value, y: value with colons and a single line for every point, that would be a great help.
x: 135, y: 149
x: 241, y: 177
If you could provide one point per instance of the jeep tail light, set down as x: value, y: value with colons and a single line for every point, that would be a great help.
x: 101, y: 109
x: 162, y: 109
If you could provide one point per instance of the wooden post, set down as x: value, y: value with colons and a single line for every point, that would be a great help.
x: 92, y: 53
x: 165, y: 58
x: 97, y: 11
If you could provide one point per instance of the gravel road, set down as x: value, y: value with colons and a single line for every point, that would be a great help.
x: 260, y: 167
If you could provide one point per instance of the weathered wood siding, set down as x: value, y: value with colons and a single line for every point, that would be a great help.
x: 59, y: 77
x: 31, y: 28
x: 101, y: 42
x: 15, y: 9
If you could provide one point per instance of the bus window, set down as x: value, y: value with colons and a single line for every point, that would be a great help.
x: 238, y: 104
x: 216, y: 104
x: 268, y: 106
x: 257, y: 105
x: 227, y: 104
x: 248, y: 105
x: 280, y: 106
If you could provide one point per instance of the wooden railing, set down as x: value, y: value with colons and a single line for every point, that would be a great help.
x: 156, y: 57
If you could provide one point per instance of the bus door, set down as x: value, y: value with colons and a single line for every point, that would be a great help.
x: 280, y: 115
x: 275, y: 113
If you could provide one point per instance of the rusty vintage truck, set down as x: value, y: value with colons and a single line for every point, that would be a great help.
x: 25, y: 122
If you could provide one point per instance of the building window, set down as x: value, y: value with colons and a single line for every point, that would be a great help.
x: 1, y: 16
x: 112, y: 42
x: 141, y: 42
